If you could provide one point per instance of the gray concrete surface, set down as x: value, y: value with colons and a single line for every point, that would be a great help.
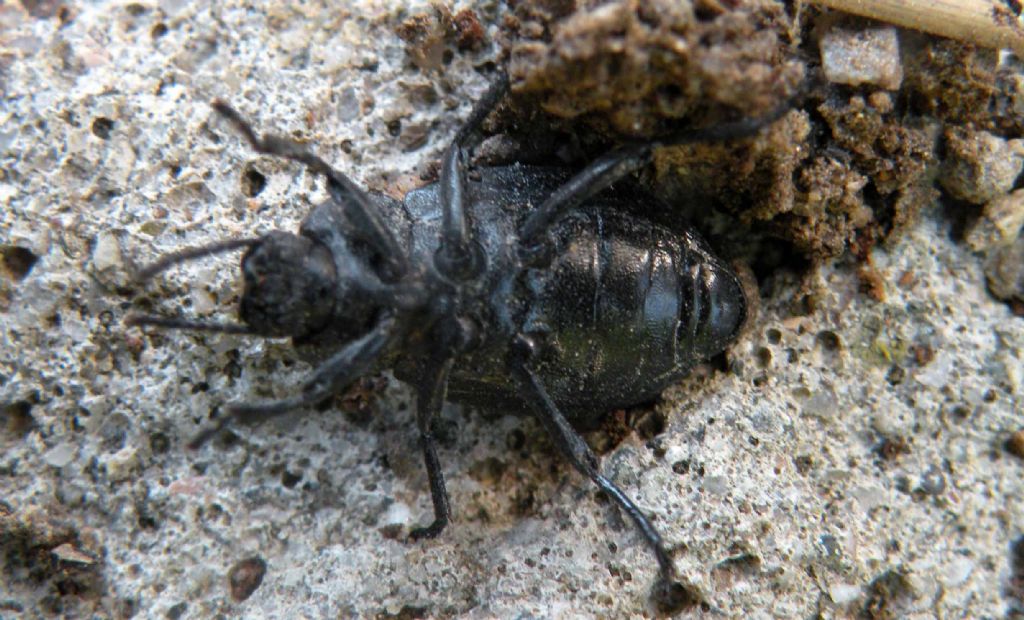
x: 853, y: 460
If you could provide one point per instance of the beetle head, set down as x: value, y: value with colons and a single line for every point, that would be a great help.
x: 290, y: 286
x: 293, y: 287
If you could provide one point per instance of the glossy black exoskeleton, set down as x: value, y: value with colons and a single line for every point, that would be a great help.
x: 519, y: 285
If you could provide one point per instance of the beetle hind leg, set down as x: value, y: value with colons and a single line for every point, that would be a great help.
x: 578, y: 453
x: 430, y: 393
x: 613, y: 166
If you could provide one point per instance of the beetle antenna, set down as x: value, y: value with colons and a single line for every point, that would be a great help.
x: 180, y: 256
x: 178, y: 323
x: 736, y: 130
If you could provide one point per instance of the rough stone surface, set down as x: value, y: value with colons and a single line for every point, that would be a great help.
x: 850, y: 461
x: 980, y: 166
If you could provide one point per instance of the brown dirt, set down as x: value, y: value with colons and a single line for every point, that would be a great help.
x: 848, y: 165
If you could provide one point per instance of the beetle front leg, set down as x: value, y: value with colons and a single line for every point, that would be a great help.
x: 430, y: 393
x: 352, y: 361
x: 356, y: 203
x: 579, y: 453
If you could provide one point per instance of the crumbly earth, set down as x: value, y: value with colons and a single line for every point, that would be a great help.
x: 851, y: 456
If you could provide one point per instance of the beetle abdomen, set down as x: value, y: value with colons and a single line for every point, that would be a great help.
x: 623, y: 310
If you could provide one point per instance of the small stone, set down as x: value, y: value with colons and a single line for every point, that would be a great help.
x: 1015, y: 444
x: 107, y: 262
x: 106, y: 254
x: 68, y: 553
x: 1004, y: 271
x: 414, y: 135
x: 1000, y: 222
x: 245, y: 576
x: 59, y: 455
x: 979, y: 166
x: 864, y: 56
x: 122, y: 463
x: 869, y: 497
x: 844, y: 593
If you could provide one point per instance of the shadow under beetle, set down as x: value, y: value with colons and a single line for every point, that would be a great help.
x: 518, y: 284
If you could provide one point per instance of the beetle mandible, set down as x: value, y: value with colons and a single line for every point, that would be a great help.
x: 521, y: 284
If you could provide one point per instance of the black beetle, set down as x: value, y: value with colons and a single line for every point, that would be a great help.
x: 520, y: 284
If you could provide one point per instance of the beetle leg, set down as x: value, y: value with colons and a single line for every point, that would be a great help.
x: 578, y: 452
x: 598, y: 175
x: 430, y: 393
x: 611, y: 167
x: 356, y: 203
x: 459, y: 257
x: 353, y: 360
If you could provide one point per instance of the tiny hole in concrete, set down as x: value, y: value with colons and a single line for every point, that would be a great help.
x: 17, y: 261
x: 17, y: 417
x: 101, y: 127
x: 253, y: 182
x: 829, y: 340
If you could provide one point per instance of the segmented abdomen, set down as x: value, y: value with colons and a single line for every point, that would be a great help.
x: 616, y: 310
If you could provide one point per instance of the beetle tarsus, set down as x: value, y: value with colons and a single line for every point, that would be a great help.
x: 671, y: 597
